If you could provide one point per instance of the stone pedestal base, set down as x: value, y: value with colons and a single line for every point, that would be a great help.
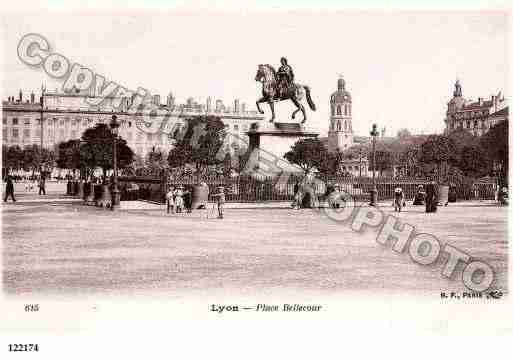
x: 277, y: 138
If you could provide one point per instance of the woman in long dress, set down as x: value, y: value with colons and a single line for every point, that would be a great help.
x: 170, y: 200
x: 179, y: 199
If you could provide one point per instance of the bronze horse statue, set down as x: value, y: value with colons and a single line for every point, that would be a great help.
x: 271, y: 92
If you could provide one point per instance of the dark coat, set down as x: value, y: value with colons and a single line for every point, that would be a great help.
x: 9, y: 186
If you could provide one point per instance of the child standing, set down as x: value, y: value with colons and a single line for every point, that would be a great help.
x: 179, y: 199
x: 398, y: 199
x: 170, y: 201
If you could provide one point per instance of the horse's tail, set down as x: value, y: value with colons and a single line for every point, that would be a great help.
x: 309, y: 98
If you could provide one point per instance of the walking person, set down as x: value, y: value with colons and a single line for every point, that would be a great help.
x: 296, y: 202
x: 9, y: 189
x: 431, y: 200
x: 42, y: 185
x: 220, y: 198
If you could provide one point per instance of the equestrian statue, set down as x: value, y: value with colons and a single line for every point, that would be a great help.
x: 279, y: 86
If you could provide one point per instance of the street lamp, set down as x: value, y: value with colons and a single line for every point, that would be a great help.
x: 360, y: 152
x: 374, y: 191
x: 114, y: 125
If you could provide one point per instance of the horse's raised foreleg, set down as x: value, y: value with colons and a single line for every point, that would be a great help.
x: 261, y: 100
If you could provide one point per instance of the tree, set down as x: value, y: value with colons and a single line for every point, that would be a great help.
x: 495, y: 146
x: 384, y: 161
x: 330, y: 166
x: 437, y: 150
x: 179, y: 156
x: 199, y: 143
x: 12, y: 158
x: 473, y: 162
x: 68, y: 155
x: 409, y: 159
x: 462, y: 138
x: 156, y: 159
x: 96, y: 150
x: 38, y: 159
x: 307, y: 153
x: 354, y: 152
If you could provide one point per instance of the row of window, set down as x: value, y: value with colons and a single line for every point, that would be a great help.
x: 339, y: 126
x: 16, y: 121
x: 85, y: 123
x: 338, y: 110
x: 470, y: 114
x: 468, y: 124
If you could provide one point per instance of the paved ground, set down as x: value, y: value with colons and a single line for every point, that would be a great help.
x: 60, y: 246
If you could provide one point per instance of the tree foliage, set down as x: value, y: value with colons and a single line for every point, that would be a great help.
x: 199, y: 143
x: 96, y: 149
x: 68, y: 155
x: 308, y: 153
x: 496, y: 148
x: 12, y: 157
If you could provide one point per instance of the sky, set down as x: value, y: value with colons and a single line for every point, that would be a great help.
x: 400, y: 67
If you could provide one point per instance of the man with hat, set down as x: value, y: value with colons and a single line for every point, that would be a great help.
x: 9, y: 189
x: 431, y: 197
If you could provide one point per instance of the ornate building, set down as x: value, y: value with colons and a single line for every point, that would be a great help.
x: 340, y: 134
x: 57, y: 117
x: 475, y: 116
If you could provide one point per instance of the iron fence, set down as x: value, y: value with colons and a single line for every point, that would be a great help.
x: 250, y: 189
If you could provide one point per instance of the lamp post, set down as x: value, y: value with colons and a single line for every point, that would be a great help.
x: 114, y: 125
x: 374, y: 191
x: 360, y: 172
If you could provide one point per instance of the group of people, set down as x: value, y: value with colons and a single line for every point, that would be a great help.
x: 179, y: 199
x: 304, y: 196
x: 427, y: 197
x: 41, y: 184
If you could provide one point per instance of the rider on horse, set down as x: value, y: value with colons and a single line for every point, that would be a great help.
x: 285, y: 77
x: 278, y: 86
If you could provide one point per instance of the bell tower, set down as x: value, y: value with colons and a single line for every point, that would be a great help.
x: 340, y: 134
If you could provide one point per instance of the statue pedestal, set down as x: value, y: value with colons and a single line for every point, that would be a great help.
x: 277, y: 138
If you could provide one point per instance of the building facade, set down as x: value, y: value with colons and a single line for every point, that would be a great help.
x: 57, y: 117
x: 474, y: 116
x: 340, y: 134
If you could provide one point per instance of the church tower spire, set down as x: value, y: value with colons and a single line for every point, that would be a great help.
x: 340, y: 134
x: 457, y: 89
